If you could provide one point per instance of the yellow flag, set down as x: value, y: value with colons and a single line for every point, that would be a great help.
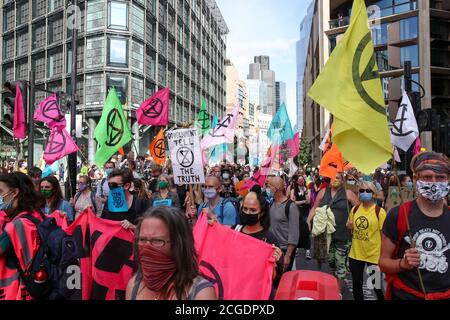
x: 349, y: 87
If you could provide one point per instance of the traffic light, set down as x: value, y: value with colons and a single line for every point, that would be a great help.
x: 427, y: 120
x: 9, y: 97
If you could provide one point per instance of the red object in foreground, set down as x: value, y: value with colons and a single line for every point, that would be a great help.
x: 307, y: 285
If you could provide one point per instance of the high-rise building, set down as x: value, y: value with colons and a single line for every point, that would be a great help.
x: 259, y: 70
x: 302, y: 49
x: 415, y: 30
x: 136, y: 46
x: 280, y: 94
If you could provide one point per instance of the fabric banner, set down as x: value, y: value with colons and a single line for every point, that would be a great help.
x: 155, y: 111
x: 186, y: 156
x: 106, y: 257
x: 50, y: 113
x: 59, y: 145
x: 164, y: 202
x: 203, y: 120
x: 117, y: 201
x: 404, y: 130
x: 20, y: 127
x: 280, y: 129
x: 349, y: 88
x: 260, y: 176
x: 239, y: 266
x: 223, y: 132
x: 294, y: 145
x: 332, y: 163
x: 158, y: 148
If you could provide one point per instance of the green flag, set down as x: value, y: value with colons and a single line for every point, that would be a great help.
x: 112, y: 131
x: 203, y: 121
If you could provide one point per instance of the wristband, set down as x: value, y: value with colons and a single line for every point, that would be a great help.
x: 400, y: 265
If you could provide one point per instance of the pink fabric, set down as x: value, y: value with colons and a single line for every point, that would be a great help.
x: 260, y: 176
x: 241, y: 265
x: 418, y: 146
x: 59, y: 145
x: 155, y: 111
x: 50, y: 112
x: 20, y: 128
x: 223, y: 132
x: 294, y: 145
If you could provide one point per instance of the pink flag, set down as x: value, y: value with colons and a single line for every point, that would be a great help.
x: 294, y: 145
x: 49, y: 112
x: 19, y: 116
x: 260, y: 176
x: 240, y: 266
x: 418, y: 146
x: 59, y: 145
x: 155, y: 111
x: 223, y: 132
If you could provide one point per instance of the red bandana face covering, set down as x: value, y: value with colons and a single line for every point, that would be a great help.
x: 157, y: 267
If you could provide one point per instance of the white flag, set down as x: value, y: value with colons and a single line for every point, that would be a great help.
x: 292, y: 167
x: 223, y: 132
x: 397, y: 156
x: 324, y: 141
x: 404, y: 129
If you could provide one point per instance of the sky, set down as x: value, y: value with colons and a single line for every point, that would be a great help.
x: 265, y: 27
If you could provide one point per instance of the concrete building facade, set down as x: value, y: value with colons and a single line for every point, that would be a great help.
x: 280, y: 94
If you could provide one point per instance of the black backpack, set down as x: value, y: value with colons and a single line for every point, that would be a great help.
x: 236, y: 204
x: 57, y: 252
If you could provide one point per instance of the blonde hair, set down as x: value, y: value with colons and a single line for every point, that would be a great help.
x: 368, y: 185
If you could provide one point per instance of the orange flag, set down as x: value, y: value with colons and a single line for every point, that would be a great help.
x: 158, y: 148
x: 121, y: 151
x: 332, y: 163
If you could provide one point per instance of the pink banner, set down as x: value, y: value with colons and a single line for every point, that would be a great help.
x: 223, y: 132
x: 20, y: 131
x: 50, y: 113
x: 418, y: 146
x: 294, y: 145
x: 155, y: 111
x: 260, y: 176
x: 239, y: 266
x: 59, y: 145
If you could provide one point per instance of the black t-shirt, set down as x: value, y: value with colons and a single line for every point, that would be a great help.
x: 137, y: 209
x: 263, y: 235
x: 432, y: 237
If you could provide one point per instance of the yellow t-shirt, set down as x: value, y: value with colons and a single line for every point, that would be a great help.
x: 366, y: 239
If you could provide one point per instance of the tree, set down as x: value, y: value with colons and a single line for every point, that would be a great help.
x: 305, y: 153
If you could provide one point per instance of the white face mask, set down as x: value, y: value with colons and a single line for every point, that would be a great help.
x: 433, y: 191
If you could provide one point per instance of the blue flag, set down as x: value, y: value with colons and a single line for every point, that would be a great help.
x: 280, y: 129
x: 117, y: 201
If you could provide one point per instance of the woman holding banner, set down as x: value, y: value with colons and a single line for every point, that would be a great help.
x: 166, y: 260
x: 164, y: 195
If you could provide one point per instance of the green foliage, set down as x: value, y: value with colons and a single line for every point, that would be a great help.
x: 305, y: 153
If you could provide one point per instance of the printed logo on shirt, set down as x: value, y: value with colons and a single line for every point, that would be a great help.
x: 362, y: 225
x: 432, y: 246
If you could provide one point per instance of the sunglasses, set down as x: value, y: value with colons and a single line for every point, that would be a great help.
x: 365, y: 191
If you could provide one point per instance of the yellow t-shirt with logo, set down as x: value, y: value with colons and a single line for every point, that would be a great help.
x: 366, y: 238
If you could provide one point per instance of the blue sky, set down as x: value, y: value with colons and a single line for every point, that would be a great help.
x: 265, y: 27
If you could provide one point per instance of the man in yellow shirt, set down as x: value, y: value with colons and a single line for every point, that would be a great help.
x: 366, y: 222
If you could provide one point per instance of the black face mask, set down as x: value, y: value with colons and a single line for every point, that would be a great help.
x: 248, y: 219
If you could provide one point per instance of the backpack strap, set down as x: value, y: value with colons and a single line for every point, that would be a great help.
x: 93, y: 200
x: 356, y: 208
x: 402, y: 226
x: 35, y: 221
x: 377, y: 211
x: 287, y: 208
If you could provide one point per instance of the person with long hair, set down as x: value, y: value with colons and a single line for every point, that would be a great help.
x: 85, y: 197
x: 164, y: 193
x: 301, y: 195
x: 51, y: 191
x: 166, y: 259
x: 141, y: 189
x: 19, y: 241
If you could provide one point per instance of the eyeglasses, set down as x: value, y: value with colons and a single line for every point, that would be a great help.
x: 157, y: 243
x: 365, y: 191
x: 113, y: 185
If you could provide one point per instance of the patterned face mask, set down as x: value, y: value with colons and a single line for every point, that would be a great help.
x: 433, y: 191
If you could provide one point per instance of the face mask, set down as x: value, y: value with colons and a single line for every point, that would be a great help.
x: 82, y: 187
x: 248, y: 219
x: 409, y: 185
x: 157, y: 267
x: 4, y: 205
x: 226, y: 176
x: 210, y: 193
x: 351, y: 182
x: 163, y: 184
x: 269, y: 193
x: 336, y: 184
x: 46, y: 193
x: 108, y: 171
x: 433, y: 191
x: 364, y: 196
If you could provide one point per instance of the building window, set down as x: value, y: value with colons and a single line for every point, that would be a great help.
x: 162, y: 13
x: 79, y: 23
x: 38, y: 65
x: 151, y: 6
x: 162, y: 73
x: 120, y: 83
x: 38, y: 36
x: 22, y: 69
x: 54, y: 86
x: 118, y: 52
x: 137, y: 56
x: 95, y: 89
x: 22, y: 13
x: 410, y: 53
x: 54, y: 4
x: 39, y: 7
x: 95, y: 15
x: 151, y: 61
x: 54, y: 63
x: 55, y: 30
x: 95, y: 52
x: 151, y: 32
x: 80, y: 58
x: 137, y: 91
x: 8, y: 19
x: 409, y: 28
x: 8, y: 48
x: 8, y: 73
x: 80, y: 88
x: 138, y: 21
x: 171, y: 78
x: 118, y: 15
x: 162, y: 44
x: 22, y: 43
x: 380, y: 34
